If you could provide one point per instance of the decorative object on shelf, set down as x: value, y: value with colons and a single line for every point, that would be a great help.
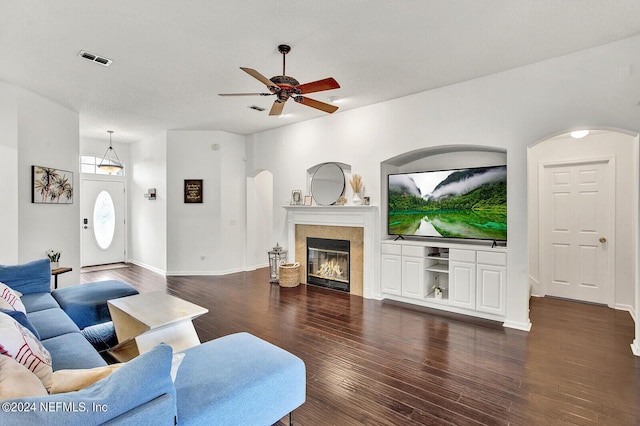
x: 357, y: 186
x: 54, y: 258
x: 437, y: 291
x: 193, y: 191
x: 296, y: 197
x: 276, y: 256
x: 51, y: 186
x: 289, y: 274
x: 341, y: 201
x: 110, y: 162
x: 366, y: 201
x: 308, y: 200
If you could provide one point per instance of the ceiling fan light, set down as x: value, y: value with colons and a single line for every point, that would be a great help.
x: 579, y: 134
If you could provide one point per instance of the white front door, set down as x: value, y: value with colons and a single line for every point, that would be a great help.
x: 102, y: 222
x: 577, y: 210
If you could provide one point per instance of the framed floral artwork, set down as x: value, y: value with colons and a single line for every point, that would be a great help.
x: 51, y: 186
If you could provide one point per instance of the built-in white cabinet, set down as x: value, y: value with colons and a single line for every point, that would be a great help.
x: 458, y: 278
x: 391, y: 269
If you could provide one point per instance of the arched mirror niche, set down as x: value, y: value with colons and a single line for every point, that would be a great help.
x: 327, y: 182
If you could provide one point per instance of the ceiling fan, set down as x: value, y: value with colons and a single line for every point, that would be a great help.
x: 285, y: 87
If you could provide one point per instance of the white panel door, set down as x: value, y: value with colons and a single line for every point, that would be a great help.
x: 103, y: 222
x: 577, y: 231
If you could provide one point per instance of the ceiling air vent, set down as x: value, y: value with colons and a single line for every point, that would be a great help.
x: 95, y: 58
x: 257, y: 108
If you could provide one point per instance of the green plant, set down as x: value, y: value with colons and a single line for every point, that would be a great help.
x: 53, y: 255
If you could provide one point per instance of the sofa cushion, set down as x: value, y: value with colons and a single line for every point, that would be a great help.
x: 17, y: 381
x: 248, y: 381
x: 9, y: 299
x: 27, y: 278
x: 71, y: 350
x: 20, y: 344
x: 143, y: 380
x: 23, y: 320
x: 39, y: 301
x: 52, y: 323
x: 86, y: 304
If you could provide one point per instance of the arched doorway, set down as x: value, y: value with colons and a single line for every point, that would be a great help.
x: 259, y: 218
x: 617, y: 152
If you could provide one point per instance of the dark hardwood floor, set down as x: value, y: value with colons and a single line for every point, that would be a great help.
x: 385, y: 363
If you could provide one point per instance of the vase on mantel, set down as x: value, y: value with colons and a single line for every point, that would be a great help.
x: 357, y: 199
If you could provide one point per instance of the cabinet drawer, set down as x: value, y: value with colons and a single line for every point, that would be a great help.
x: 391, y: 249
x: 492, y: 258
x: 415, y: 251
x: 462, y: 255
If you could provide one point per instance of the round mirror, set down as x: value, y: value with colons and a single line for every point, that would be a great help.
x: 327, y: 184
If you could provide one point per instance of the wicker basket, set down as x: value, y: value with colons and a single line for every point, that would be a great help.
x: 290, y: 274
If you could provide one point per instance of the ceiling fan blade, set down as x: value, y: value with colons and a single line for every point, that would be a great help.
x: 318, y: 86
x: 255, y: 74
x: 276, y: 108
x: 322, y: 106
x: 245, y: 94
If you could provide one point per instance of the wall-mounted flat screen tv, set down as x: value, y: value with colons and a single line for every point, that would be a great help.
x: 459, y: 203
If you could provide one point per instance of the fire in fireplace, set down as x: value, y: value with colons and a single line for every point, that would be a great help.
x: 328, y: 263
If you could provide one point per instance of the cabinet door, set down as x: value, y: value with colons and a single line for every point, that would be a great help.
x: 490, y: 290
x: 462, y: 284
x: 390, y: 274
x: 413, y: 277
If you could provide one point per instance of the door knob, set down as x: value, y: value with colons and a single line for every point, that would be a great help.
x: 602, y: 240
x: 85, y: 227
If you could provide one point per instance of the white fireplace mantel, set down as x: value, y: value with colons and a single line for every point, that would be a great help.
x: 354, y: 216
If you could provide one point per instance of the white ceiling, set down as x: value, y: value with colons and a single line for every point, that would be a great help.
x: 172, y: 58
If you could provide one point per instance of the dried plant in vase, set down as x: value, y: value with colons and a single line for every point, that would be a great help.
x: 357, y: 186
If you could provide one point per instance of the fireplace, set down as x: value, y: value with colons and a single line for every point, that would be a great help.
x: 328, y: 262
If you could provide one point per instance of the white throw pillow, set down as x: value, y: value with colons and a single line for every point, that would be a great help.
x: 9, y: 299
x: 21, y: 345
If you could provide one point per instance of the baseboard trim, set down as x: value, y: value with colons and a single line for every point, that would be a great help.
x: 524, y: 326
x: 149, y: 267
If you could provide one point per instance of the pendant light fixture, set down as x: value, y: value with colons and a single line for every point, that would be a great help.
x: 110, y: 163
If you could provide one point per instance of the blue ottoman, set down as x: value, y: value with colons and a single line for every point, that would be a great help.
x: 238, y: 379
x: 86, y: 304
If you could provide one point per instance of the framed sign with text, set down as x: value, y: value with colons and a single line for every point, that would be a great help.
x: 193, y: 190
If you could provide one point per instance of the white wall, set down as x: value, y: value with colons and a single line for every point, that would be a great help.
x: 43, y: 133
x: 207, y: 238
x: 596, y: 145
x: 9, y: 171
x: 509, y: 110
x: 147, y: 224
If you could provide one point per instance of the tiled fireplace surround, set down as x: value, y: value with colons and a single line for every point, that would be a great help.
x: 358, y: 224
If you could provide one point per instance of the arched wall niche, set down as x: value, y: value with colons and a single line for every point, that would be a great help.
x: 436, y: 158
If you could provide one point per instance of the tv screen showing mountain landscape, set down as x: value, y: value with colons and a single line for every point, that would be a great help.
x: 461, y: 203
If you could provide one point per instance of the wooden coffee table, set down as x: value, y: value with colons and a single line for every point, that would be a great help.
x: 144, y: 320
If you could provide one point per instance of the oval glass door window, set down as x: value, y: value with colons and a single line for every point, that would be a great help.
x: 104, y: 220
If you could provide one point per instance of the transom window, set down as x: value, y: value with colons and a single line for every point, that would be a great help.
x: 89, y: 164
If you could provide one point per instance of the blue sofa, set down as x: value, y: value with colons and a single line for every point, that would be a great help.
x: 236, y: 379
